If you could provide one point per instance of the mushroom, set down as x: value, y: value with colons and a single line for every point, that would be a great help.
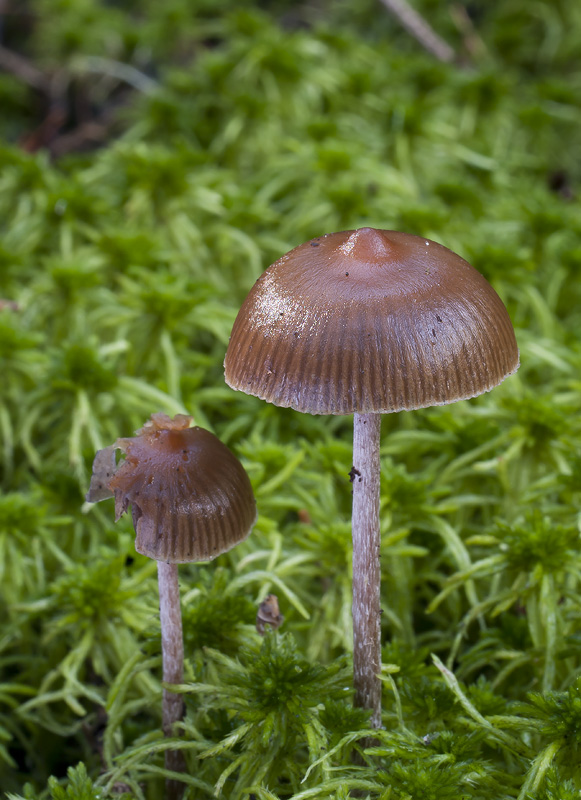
x: 367, y: 322
x: 268, y: 614
x: 191, y: 501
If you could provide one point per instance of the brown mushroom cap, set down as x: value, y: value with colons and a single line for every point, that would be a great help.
x: 370, y: 321
x: 191, y: 498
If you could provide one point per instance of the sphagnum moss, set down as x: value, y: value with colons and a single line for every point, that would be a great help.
x: 264, y: 128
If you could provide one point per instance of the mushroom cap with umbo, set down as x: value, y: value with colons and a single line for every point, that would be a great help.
x: 191, y: 498
x: 370, y: 321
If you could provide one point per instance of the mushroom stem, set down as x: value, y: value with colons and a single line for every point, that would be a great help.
x: 172, y: 648
x: 366, y: 566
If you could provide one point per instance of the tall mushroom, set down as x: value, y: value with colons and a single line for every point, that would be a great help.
x: 367, y: 322
x: 191, y: 501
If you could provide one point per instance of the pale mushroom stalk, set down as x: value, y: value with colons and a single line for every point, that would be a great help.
x: 172, y: 648
x: 366, y: 565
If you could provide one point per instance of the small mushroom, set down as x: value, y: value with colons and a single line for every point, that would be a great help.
x: 367, y: 322
x: 268, y: 614
x: 191, y: 501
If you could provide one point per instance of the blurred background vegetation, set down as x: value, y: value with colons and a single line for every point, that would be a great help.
x: 154, y: 159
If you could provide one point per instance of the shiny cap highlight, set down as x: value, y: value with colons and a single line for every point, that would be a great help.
x: 370, y: 321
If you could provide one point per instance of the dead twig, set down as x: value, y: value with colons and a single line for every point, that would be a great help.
x: 420, y: 29
x: 473, y: 43
x: 60, y: 106
x: 10, y: 305
x: 124, y: 73
x: 86, y: 135
x: 22, y: 69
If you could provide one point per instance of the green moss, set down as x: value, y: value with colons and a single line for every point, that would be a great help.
x: 238, y: 131
x: 541, y: 544
x: 215, y: 617
x: 78, y: 786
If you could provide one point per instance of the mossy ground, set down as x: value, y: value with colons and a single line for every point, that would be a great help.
x: 224, y: 133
